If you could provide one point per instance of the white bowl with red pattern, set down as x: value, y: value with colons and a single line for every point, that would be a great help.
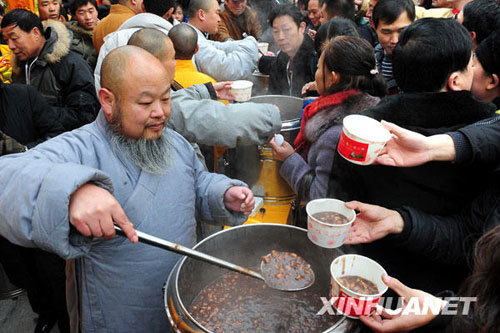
x: 326, y: 234
x: 362, y: 139
x: 348, y: 302
x: 241, y: 90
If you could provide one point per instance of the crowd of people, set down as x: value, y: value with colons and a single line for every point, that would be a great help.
x: 104, y: 106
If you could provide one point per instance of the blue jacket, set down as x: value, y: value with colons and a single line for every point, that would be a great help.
x: 119, y: 283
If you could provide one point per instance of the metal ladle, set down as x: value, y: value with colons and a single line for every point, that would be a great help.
x: 269, y: 280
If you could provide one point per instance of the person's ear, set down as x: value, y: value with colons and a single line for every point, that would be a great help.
x: 455, y: 81
x: 493, y: 82
x: 108, y: 102
x: 335, y: 77
x: 302, y: 27
x: 196, y: 49
x: 201, y: 15
x: 36, y: 33
x: 473, y: 35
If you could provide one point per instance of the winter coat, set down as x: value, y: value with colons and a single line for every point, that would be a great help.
x: 302, y: 70
x: 479, y: 143
x: 194, y: 115
x: 309, y: 178
x: 121, y: 36
x: 231, y: 26
x: 438, y: 188
x: 25, y: 115
x: 119, y: 283
x: 118, y: 14
x: 228, y: 61
x: 62, y: 77
x: 82, y: 43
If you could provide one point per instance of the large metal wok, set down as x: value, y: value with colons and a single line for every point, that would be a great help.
x: 242, y: 245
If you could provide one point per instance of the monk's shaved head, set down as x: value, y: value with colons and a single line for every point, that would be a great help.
x: 123, y: 63
x: 152, y: 40
x: 185, y: 40
x: 196, y: 5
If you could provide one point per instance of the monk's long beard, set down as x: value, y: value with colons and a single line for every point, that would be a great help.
x: 149, y: 155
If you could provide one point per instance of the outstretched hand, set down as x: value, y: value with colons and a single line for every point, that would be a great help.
x: 223, y: 90
x: 93, y: 211
x: 372, y: 223
x: 239, y: 199
x: 408, y: 149
x: 398, y: 320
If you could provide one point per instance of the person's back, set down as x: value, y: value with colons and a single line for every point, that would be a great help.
x: 185, y: 40
x: 435, y: 73
x: 118, y: 14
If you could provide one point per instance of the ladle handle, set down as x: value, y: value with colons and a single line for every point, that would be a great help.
x: 166, y: 245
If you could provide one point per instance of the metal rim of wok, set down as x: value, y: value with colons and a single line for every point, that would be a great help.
x: 178, y: 268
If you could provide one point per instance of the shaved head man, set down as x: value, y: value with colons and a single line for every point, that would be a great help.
x: 124, y: 167
x: 185, y: 40
x: 137, y: 105
x: 158, y: 44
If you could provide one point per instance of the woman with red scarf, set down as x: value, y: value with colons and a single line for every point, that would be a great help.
x: 348, y: 83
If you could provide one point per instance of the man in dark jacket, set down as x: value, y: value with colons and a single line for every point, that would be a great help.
x: 25, y: 121
x: 82, y: 27
x: 436, y: 100
x: 296, y: 62
x: 43, y: 60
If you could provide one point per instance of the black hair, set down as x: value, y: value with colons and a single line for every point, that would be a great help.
x: 484, y: 314
x: 338, y: 26
x: 353, y: 59
x: 339, y: 8
x: 2, y: 10
x: 24, y: 19
x: 428, y: 51
x: 389, y: 11
x: 158, y: 7
x: 482, y: 17
x: 79, y: 3
x: 285, y: 10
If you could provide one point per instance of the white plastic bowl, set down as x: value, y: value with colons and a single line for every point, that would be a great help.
x: 362, y: 139
x: 241, y: 90
x: 325, y: 234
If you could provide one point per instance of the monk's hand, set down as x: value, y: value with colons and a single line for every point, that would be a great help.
x: 282, y: 152
x: 372, y: 223
x: 399, y: 320
x: 223, y: 90
x: 408, y: 149
x: 239, y: 199
x: 93, y: 211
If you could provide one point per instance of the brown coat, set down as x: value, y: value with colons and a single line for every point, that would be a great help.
x: 233, y: 27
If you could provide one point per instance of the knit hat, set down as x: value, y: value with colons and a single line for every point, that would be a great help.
x: 488, y: 53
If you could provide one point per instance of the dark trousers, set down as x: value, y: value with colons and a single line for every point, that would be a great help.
x: 42, y: 275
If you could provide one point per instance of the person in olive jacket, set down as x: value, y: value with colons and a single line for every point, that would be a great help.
x: 42, y: 59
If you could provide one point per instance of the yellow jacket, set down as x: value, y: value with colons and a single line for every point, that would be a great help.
x: 187, y: 75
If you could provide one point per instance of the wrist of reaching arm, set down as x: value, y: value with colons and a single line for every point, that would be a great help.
x: 441, y: 148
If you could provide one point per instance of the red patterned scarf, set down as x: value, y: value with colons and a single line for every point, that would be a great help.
x: 322, y: 102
